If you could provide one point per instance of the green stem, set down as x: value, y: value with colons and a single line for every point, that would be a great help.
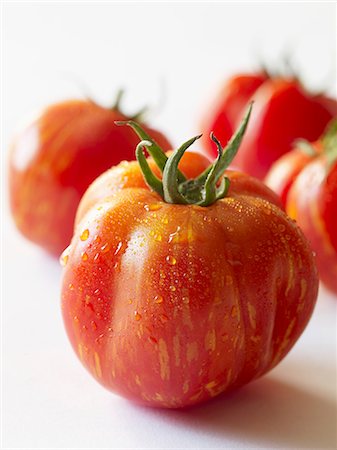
x: 174, y: 188
x: 149, y: 176
x: 155, y: 151
x: 170, y: 174
x: 117, y: 104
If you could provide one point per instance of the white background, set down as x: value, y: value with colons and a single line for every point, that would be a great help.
x: 171, y: 56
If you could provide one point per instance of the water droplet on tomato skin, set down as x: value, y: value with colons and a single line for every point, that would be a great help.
x: 84, y: 256
x: 173, y: 288
x: 171, y: 260
x: 97, y: 239
x: 119, y: 246
x: 281, y: 227
x: 137, y: 316
x: 105, y: 248
x: 234, y: 311
x: 85, y: 234
x: 158, y: 299
x: 65, y: 256
x: 153, y: 207
x: 64, y: 259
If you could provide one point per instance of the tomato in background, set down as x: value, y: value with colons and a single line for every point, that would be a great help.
x: 170, y: 303
x: 283, y: 111
x: 306, y: 180
x: 56, y: 157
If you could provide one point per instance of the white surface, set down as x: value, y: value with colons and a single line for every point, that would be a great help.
x: 48, y: 400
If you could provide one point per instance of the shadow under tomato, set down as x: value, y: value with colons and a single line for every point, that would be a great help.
x: 268, y: 412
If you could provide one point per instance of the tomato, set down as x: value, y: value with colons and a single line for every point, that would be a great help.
x: 309, y: 192
x: 285, y: 170
x: 171, y: 300
x: 53, y: 161
x: 284, y: 111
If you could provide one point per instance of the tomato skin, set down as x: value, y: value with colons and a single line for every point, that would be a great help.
x: 285, y: 170
x: 170, y: 305
x: 283, y: 112
x: 228, y: 107
x: 53, y: 161
x: 312, y: 202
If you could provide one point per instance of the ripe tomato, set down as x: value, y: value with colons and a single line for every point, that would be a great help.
x: 283, y: 112
x: 309, y: 192
x: 171, y: 301
x: 53, y: 161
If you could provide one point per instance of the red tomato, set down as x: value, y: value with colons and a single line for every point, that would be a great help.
x: 285, y: 170
x: 53, y: 161
x: 283, y: 112
x: 170, y: 303
x: 308, y: 189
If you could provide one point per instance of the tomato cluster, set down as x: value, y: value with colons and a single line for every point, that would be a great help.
x: 184, y: 279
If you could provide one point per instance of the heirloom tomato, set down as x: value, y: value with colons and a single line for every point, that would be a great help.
x: 187, y: 284
x: 53, y: 161
x: 306, y: 180
x: 284, y: 111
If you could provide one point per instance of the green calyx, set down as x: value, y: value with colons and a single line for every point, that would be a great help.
x: 204, y: 190
x: 329, y: 141
x: 328, y: 145
x: 139, y: 116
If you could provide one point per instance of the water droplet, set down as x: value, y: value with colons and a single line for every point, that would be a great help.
x: 96, y: 291
x: 119, y: 246
x: 175, y: 235
x: 97, y: 239
x: 93, y: 325
x: 185, y: 300
x: 153, y: 206
x: 105, y: 248
x: 171, y: 260
x: 281, y: 227
x: 164, y: 220
x: 85, y: 234
x: 137, y: 316
x: 234, y: 311
x: 158, y: 299
x: 71, y: 286
x: 173, y: 288
x: 64, y: 259
x: 76, y: 319
x: 84, y: 256
x: 158, y: 237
